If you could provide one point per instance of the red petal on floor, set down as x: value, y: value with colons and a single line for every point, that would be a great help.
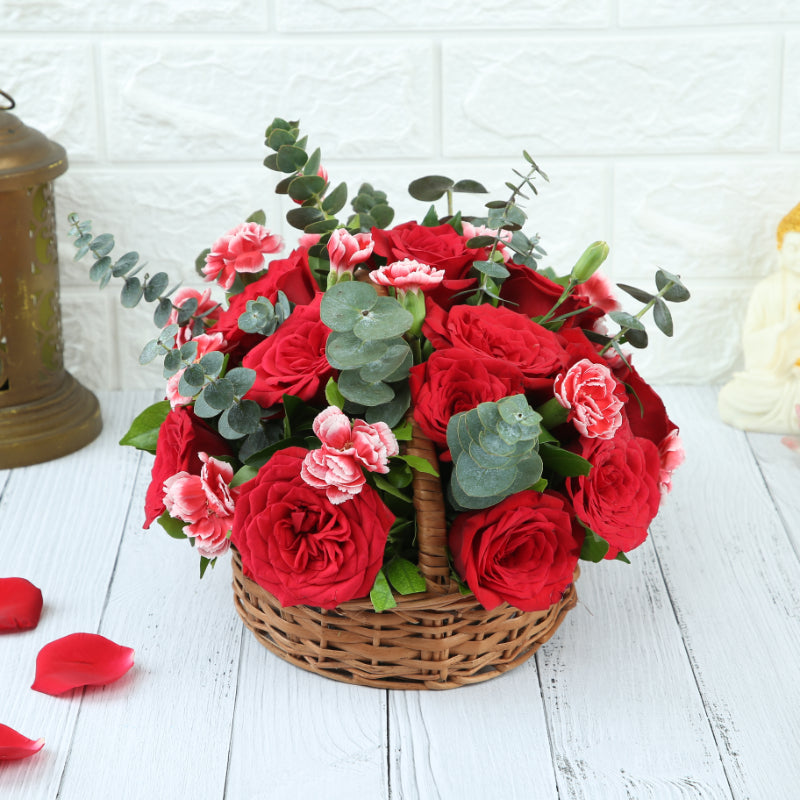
x: 14, y: 745
x: 80, y: 659
x: 20, y: 605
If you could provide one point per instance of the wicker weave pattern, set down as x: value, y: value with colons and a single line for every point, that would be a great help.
x: 437, y: 639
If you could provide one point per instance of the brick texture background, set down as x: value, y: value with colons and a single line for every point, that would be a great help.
x: 670, y: 128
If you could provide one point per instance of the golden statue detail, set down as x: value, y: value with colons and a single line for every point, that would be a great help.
x: 763, y: 397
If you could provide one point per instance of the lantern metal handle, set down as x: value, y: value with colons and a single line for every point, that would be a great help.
x: 10, y: 100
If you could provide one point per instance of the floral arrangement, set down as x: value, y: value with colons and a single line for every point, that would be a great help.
x: 288, y: 403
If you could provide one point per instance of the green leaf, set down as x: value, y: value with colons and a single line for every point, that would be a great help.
x: 636, y: 338
x: 102, y: 245
x: 100, y: 268
x: 404, y: 432
x: 278, y: 138
x: 242, y: 475
x: 245, y: 417
x: 155, y: 286
x: 563, y: 462
x: 219, y: 395
x: 405, y: 576
x: 259, y: 217
x: 211, y: 363
x: 625, y: 320
x: 174, y: 527
x: 333, y: 395
x: 662, y: 317
x: 291, y: 158
x: 594, y: 546
x: 124, y: 263
x: 431, y: 219
x: 203, y: 410
x: 224, y: 427
x: 677, y: 293
x: 638, y: 294
x: 359, y: 391
x: 344, y: 304
x: 344, y: 350
x: 392, y: 412
x: 470, y: 186
x: 241, y: 379
x: 143, y: 432
x: 200, y: 262
x: 336, y: 200
x: 430, y: 188
x: 622, y: 557
x: 387, y: 486
x: 205, y: 563
x: 480, y: 241
x: 312, y: 165
x: 491, y: 268
x: 131, y: 293
x: 419, y: 464
x: 302, y: 217
x: 382, y: 214
x: 396, y: 354
x: 384, y: 320
x: 162, y: 312
x: 381, y: 594
x: 304, y: 187
x: 149, y: 352
x: 323, y: 226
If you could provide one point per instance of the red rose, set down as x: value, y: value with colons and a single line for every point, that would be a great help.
x: 298, y: 545
x: 291, y: 276
x: 181, y: 437
x: 533, y: 294
x: 292, y: 360
x: 502, y: 334
x: 620, y: 496
x: 454, y: 380
x: 647, y: 414
x: 522, y: 551
x: 440, y: 247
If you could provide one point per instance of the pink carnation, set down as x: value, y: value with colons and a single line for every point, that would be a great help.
x: 206, y: 342
x: 672, y: 455
x: 599, y: 292
x: 346, y: 250
x: 408, y: 275
x: 240, y: 250
x: 181, y: 296
x: 346, y: 451
x: 206, y: 502
x: 336, y: 471
x: 588, y: 390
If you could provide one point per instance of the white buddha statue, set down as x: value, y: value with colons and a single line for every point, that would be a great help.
x: 763, y: 396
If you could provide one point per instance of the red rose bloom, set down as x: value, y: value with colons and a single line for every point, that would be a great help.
x: 523, y: 551
x: 291, y: 276
x: 620, y: 496
x: 454, y: 380
x: 439, y: 246
x: 298, y: 545
x: 649, y: 419
x: 292, y: 360
x: 181, y: 437
x: 502, y: 334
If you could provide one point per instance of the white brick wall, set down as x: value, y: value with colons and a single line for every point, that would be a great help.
x: 670, y: 128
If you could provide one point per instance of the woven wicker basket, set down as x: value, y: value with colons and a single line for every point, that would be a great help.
x: 437, y: 639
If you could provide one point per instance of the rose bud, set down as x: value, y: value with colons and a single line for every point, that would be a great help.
x: 593, y: 256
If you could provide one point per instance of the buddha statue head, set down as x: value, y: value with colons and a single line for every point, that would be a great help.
x: 789, y: 240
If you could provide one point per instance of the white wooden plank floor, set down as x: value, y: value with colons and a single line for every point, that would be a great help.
x: 676, y: 677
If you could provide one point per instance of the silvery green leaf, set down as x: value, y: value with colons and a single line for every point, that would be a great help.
x: 515, y: 410
x: 677, y: 293
x: 211, y: 363
x: 99, y: 269
x: 259, y: 217
x: 245, y: 417
x: 131, y: 292
x: 283, y: 308
x: 467, y: 185
x: 343, y: 304
x: 388, y: 363
x: 202, y: 409
x: 162, y: 312
x: 478, y: 481
x: 241, y: 378
x: 149, y: 352
x: 102, y: 245
x: 193, y: 376
x: 491, y: 268
x: 189, y: 351
x: 625, y: 320
x: 359, y: 391
x: 662, y: 317
x: 636, y: 338
x: 187, y: 310
x: 480, y: 241
x: 186, y: 389
x: 637, y: 294
x: 219, y: 395
x: 385, y: 320
x: 401, y: 373
x: 167, y: 336
x: 172, y: 363
x: 344, y: 350
x: 392, y: 412
x: 489, y: 460
x: 430, y: 188
x: 224, y: 427
x: 155, y: 286
x: 125, y: 263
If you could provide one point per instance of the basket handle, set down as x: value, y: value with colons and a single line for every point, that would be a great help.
x: 429, y: 507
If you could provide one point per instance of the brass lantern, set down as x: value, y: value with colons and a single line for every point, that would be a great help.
x: 44, y: 412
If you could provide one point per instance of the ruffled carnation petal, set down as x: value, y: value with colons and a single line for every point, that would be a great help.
x: 14, y: 746
x: 80, y: 659
x: 20, y: 605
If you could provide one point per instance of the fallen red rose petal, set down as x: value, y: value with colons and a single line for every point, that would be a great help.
x: 20, y: 605
x: 14, y: 746
x: 80, y: 659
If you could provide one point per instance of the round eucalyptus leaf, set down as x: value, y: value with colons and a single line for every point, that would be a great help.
x: 662, y: 317
x: 344, y: 304
x: 193, y: 376
x: 102, y: 245
x: 470, y: 186
x: 336, y: 200
x: 162, y: 312
x: 625, y: 320
x: 149, y: 352
x: 386, y: 319
x: 189, y: 350
x: 202, y: 409
x: 291, y: 158
x: 430, y: 188
x: 677, y: 293
x: 187, y: 389
x: 480, y: 241
x: 224, y: 427
x: 167, y: 336
x: 491, y: 268
x: 131, y: 292
x: 382, y: 214
x: 172, y: 363
x: 245, y: 417
x: 323, y: 226
x: 211, y: 363
x: 187, y: 310
x: 392, y: 359
x: 303, y: 216
x: 344, y: 350
x: 368, y: 394
x: 219, y: 395
x: 241, y: 378
x: 304, y: 187
x: 636, y: 338
x: 155, y: 286
x: 100, y: 268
